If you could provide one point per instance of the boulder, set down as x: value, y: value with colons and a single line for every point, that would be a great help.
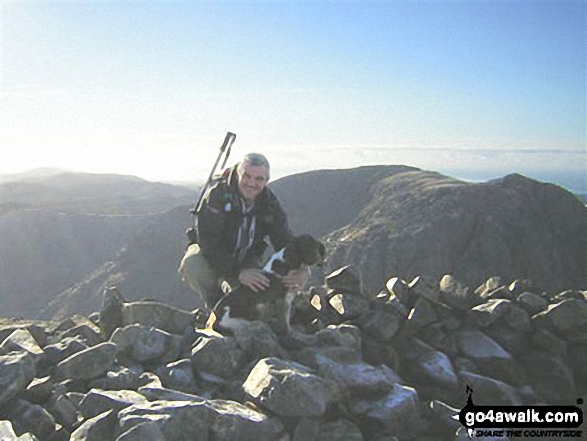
x: 97, y: 402
x: 17, y: 370
x: 89, y: 363
x: 397, y: 413
x: 157, y: 315
x: 289, y: 389
x: 567, y: 319
x: 344, y: 280
x: 220, y: 356
x: 491, y: 358
x: 144, y: 344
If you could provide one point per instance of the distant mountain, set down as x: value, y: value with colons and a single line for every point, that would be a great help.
x: 421, y: 222
x: 387, y: 221
x: 91, y: 193
x: 56, y: 229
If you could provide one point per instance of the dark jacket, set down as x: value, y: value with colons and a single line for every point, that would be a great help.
x: 219, y: 217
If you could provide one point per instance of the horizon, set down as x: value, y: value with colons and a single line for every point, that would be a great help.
x: 475, y: 90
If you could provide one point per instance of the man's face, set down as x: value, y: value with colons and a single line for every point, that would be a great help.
x: 252, y: 179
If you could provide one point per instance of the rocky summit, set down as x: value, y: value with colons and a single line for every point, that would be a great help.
x: 395, y: 365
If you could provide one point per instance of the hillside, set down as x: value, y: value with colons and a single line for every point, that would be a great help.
x: 57, y: 228
x: 387, y: 221
x: 423, y: 222
x: 90, y: 193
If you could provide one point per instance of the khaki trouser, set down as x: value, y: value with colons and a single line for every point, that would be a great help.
x: 196, y: 271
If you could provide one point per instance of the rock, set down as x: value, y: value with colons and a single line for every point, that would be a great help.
x: 344, y: 280
x: 491, y: 358
x: 178, y: 375
x: 21, y: 340
x: 157, y: 315
x: 485, y: 314
x: 39, y: 390
x: 488, y: 391
x: 89, y: 363
x: 99, y: 428
x: 551, y: 378
x: 289, y: 389
x: 360, y: 378
x: 567, y: 319
x: 64, y: 411
x: 165, y: 420
x: 349, y: 306
x: 531, y: 302
x: 217, y: 355
x: 380, y: 325
x: 17, y: 370
x: 59, y: 351
x: 144, y: 344
x: 398, y: 413
x: 424, y: 286
x: 340, y: 430
x: 488, y: 286
x: 120, y: 378
x: 28, y: 417
x: 97, y: 402
x: 258, y: 340
x: 421, y: 315
x: 111, y: 312
x: 6, y: 431
x: 87, y: 332
x: 456, y: 295
x: 308, y: 429
x: 544, y: 340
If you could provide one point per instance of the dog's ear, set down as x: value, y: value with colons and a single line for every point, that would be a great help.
x: 292, y: 253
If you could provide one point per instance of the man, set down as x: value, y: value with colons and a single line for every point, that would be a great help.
x: 236, y: 215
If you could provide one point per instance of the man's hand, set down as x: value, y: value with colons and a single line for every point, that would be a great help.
x: 296, y: 279
x: 254, y: 279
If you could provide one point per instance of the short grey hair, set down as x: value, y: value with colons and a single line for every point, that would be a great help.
x: 256, y: 160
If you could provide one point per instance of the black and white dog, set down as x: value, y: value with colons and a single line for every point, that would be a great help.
x: 244, y: 303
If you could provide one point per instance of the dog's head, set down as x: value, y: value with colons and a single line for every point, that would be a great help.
x: 304, y: 250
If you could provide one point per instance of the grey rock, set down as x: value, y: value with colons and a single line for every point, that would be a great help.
x: 98, y: 428
x: 157, y: 315
x: 98, y: 401
x: 87, y: 332
x: 349, y: 306
x: 89, y: 363
x: 398, y: 413
x: 340, y: 430
x: 485, y: 314
x: 380, y: 325
x: 111, y: 311
x: 17, y: 370
x: 159, y: 393
x: 178, y: 375
x: 546, y: 341
x: 32, y: 418
x: 57, y: 352
x: 487, y: 390
x: 7, y: 432
x: 64, y: 411
x: 289, y: 389
x: 308, y: 429
x: 567, y: 319
x: 258, y: 340
x: 491, y: 358
x: 489, y: 285
x: 218, y: 355
x: 39, y: 390
x: 144, y: 344
x: 344, y: 280
x: 425, y: 286
x: 531, y: 302
x: 456, y: 295
x: 21, y: 340
x: 120, y: 378
x: 551, y: 378
x: 359, y: 378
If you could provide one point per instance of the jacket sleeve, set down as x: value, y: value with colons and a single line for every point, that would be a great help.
x: 212, y: 220
x: 279, y: 231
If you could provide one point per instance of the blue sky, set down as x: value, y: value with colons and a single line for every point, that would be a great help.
x: 475, y: 89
